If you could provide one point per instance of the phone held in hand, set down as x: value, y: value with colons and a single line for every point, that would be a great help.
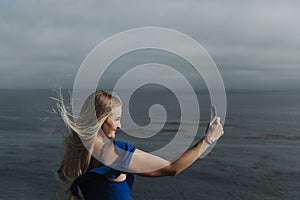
x: 213, y: 111
x: 213, y: 114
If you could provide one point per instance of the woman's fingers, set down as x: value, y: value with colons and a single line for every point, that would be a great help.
x: 215, y: 120
x: 215, y: 127
x: 212, y: 120
x: 218, y: 120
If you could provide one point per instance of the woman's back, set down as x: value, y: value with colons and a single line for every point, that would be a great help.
x: 96, y: 183
x: 99, y: 187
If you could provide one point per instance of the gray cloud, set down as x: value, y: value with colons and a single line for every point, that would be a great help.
x: 255, y: 44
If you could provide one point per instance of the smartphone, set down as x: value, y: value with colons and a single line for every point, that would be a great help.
x: 213, y: 111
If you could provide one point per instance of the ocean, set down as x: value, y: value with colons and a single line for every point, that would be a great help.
x: 257, y: 158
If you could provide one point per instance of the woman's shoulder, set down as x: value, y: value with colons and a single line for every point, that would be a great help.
x: 124, y: 145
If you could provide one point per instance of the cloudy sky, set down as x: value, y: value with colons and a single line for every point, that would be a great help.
x: 255, y: 44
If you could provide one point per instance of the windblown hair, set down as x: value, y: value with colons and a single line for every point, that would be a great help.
x: 80, y: 133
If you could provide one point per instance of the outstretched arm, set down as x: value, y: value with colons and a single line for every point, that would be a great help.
x: 143, y: 162
x: 170, y: 168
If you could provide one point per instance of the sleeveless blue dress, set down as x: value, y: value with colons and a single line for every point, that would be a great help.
x: 95, y: 186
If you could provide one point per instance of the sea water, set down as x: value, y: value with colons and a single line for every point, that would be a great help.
x: 257, y: 158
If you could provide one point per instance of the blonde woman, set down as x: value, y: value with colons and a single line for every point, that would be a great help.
x: 104, y: 169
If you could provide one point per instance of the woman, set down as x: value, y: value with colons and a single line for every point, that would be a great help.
x: 112, y: 178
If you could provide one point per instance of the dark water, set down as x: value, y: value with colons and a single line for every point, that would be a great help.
x: 257, y: 158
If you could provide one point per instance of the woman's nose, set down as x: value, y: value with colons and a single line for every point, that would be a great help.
x: 119, y: 125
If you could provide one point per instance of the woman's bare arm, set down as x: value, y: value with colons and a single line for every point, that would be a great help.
x: 177, y: 166
x: 143, y: 162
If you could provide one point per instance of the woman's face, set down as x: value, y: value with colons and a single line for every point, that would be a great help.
x: 110, y: 125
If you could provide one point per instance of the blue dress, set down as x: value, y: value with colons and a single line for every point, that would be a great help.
x: 95, y: 186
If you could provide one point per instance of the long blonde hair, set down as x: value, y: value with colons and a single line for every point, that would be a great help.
x: 77, y: 158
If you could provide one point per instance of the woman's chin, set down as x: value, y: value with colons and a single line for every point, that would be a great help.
x: 112, y: 136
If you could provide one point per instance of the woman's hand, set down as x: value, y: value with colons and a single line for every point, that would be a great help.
x: 214, y: 130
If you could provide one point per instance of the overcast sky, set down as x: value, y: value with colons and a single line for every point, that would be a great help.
x: 255, y: 44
